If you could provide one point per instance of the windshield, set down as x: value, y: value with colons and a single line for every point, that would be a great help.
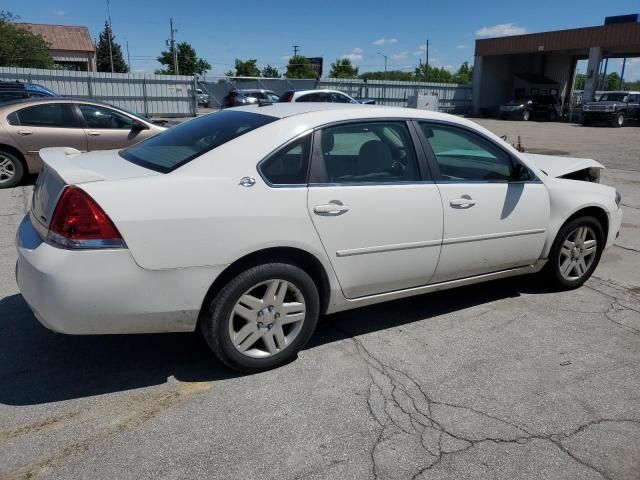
x: 180, y: 144
x: 613, y: 97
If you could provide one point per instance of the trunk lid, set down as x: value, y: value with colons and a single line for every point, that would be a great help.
x: 67, y: 166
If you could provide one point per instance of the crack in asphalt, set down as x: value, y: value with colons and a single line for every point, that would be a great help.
x: 403, y: 408
x: 626, y: 248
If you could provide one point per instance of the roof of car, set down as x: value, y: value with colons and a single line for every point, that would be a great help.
x: 27, y: 101
x: 288, y: 109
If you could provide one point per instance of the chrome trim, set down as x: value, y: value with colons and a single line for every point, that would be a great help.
x: 369, y: 184
x: 387, y: 248
x: 491, y: 236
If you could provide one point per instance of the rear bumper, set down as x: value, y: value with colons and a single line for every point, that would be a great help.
x: 105, y: 291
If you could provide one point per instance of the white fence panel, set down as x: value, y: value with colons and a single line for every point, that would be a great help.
x: 150, y: 95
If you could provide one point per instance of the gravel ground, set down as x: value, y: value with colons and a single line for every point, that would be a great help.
x: 502, y: 380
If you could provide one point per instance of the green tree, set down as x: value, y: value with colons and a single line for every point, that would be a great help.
x: 19, y: 47
x: 247, y: 68
x: 103, y: 54
x: 343, y: 68
x: 188, y: 61
x: 435, y: 74
x: 270, y: 72
x: 229, y: 73
x: 299, y: 67
x: 464, y: 74
x: 612, y: 81
x: 390, y: 75
x: 581, y: 81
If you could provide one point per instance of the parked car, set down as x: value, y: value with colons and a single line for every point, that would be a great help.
x: 264, y: 217
x: 536, y: 106
x: 29, y: 125
x: 324, y: 95
x: 612, y: 107
x: 201, y: 97
x: 247, y: 96
x: 10, y: 91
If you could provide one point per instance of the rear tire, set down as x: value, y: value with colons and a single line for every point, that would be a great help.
x: 618, y: 120
x: 11, y: 169
x: 575, y: 254
x: 278, y: 305
x: 526, y: 115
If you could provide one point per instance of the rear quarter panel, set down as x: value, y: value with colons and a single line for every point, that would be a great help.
x: 199, y: 215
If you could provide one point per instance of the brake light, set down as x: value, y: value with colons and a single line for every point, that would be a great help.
x: 288, y: 96
x: 79, y: 222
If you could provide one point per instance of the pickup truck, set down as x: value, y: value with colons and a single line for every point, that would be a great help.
x: 614, y: 108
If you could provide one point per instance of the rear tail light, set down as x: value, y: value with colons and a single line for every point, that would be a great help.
x: 79, y: 222
x: 287, y: 97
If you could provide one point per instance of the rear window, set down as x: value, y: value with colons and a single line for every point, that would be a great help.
x: 181, y: 144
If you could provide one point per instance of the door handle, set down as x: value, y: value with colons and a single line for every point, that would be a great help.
x: 465, y: 201
x: 94, y: 134
x: 331, y: 209
x: 24, y: 132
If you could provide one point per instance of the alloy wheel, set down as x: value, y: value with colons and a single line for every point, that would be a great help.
x: 7, y: 169
x: 578, y: 253
x: 267, y: 318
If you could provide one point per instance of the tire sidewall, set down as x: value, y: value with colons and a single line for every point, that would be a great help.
x: 526, y: 115
x: 18, y: 169
x: 553, y: 262
x: 215, y: 326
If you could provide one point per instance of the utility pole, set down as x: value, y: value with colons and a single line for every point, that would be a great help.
x: 295, y: 50
x: 128, y: 57
x: 385, y: 65
x: 426, y: 68
x: 110, y: 34
x: 174, y: 50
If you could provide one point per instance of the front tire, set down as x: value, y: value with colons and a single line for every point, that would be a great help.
x: 262, y: 318
x: 11, y: 170
x: 575, y: 253
x: 618, y: 120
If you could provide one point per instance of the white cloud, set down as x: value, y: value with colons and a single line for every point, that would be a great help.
x: 354, y: 55
x: 59, y: 12
x: 385, y: 41
x: 421, y: 49
x: 462, y: 46
x: 399, y: 55
x: 501, y: 30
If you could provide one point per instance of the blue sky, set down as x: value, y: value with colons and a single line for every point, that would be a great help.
x: 358, y: 29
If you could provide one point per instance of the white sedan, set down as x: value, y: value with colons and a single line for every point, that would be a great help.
x: 248, y: 223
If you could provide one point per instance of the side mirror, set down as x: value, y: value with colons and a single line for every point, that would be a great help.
x: 138, y: 126
x: 520, y: 173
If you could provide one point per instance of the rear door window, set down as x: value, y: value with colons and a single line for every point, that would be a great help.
x: 55, y: 115
x: 180, y: 144
x: 369, y: 152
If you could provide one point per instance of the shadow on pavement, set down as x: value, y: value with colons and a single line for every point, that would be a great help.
x: 39, y: 366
